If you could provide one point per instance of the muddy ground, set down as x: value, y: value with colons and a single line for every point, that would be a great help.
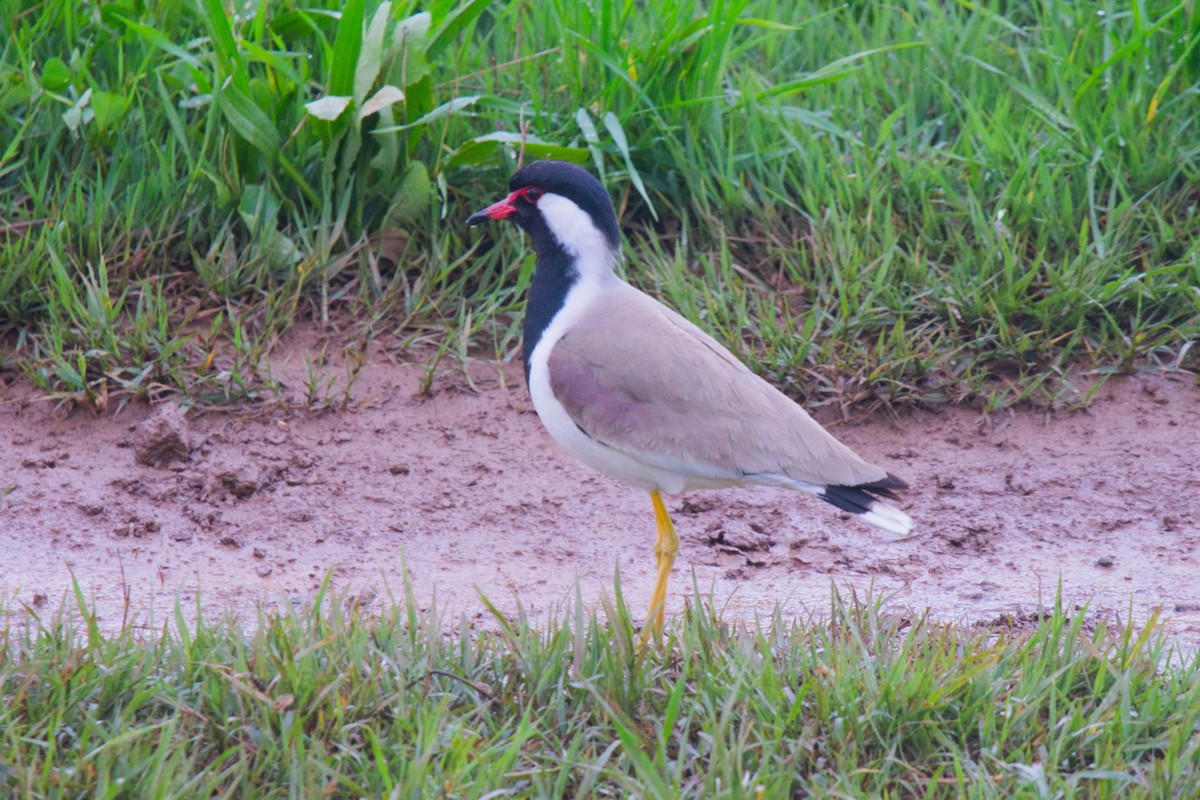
x: 257, y: 505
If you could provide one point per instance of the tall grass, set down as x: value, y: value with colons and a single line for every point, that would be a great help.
x: 330, y: 703
x: 904, y: 202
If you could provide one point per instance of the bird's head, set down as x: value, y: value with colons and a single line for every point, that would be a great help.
x: 558, y: 204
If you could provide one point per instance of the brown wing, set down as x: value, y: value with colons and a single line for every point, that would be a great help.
x: 640, y: 378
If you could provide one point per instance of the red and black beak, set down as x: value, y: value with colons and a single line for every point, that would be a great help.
x: 505, y: 208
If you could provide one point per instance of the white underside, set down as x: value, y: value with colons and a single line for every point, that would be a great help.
x: 562, y: 428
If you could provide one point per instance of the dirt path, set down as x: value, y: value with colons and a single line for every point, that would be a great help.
x: 474, y: 493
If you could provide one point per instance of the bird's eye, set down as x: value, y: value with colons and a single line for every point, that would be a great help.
x: 531, y: 193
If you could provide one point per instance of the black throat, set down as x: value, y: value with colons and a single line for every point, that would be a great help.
x: 553, y: 277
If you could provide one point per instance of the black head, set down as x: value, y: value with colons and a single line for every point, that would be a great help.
x: 562, y: 178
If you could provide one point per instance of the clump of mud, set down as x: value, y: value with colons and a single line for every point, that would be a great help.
x: 163, y: 438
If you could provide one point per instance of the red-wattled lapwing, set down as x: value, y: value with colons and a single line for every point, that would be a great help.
x: 636, y: 391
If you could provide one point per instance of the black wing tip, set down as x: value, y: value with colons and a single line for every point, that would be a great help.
x: 887, y: 487
x: 890, y: 482
x: 857, y: 499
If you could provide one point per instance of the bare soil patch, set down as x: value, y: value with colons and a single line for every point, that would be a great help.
x: 239, y: 508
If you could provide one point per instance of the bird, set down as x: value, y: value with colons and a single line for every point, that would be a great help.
x: 633, y: 389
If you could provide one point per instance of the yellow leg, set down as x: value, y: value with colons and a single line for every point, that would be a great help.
x: 665, y: 547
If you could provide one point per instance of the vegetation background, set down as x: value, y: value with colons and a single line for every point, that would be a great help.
x: 891, y: 203
x: 871, y: 203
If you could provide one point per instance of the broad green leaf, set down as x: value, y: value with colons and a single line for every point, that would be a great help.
x: 508, y: 137
x: 454, y: 25
x: 55, y: 75
x: 249, y: 121
x: 472, y: 152
x: 406, y: 51
x: 370, y: 56
x: 415, y: 69
x: 384, y: 98
x: 412, y: 31
x: 346, y: 47
x: 480, y: 148
x: 418, y: 97
x: 383, y: 163
x: 413, y: 195
x: 285, y: 248
x: 328, y: 108
x: 258, y: 208
x: 444, y: 110
x: 110, y: 108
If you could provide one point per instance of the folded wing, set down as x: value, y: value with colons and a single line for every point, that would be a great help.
x: 689, y: 403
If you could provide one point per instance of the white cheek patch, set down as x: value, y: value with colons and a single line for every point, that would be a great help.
x: 578, y: 235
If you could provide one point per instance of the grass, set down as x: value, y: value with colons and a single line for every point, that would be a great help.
x: 910, y: 202
x: 329, y: 702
